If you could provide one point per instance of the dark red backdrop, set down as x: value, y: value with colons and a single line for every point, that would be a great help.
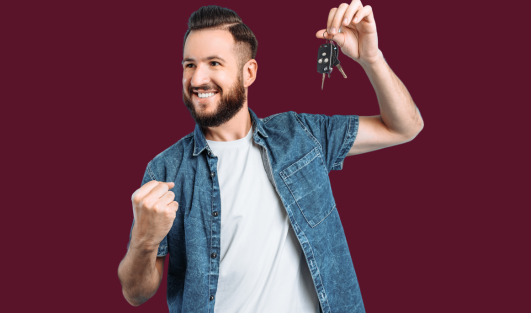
x: 92, y: 92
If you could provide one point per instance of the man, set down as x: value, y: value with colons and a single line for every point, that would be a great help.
x: 244, y: 204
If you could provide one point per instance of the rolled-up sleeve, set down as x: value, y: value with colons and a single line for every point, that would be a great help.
x: 335, y: 134
x: 163, y: 246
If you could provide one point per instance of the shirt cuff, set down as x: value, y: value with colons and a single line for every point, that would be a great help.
x: 347, y: 144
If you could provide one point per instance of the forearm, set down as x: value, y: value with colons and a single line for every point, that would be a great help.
x: 397, y: 109
x: 138, y: 274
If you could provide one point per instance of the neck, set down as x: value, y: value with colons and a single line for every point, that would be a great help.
x: 236, y: 128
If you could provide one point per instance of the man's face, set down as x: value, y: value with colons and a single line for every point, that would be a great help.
x: 210, y: 66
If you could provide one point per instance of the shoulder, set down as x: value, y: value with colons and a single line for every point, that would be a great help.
x: 276, y: 116
x: 280, y: 119
x: 175, y: 151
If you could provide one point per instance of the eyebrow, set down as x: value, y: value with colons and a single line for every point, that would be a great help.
x: 211, y: 57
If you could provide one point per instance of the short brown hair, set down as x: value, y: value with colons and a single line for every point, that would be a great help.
x: 215, y: 17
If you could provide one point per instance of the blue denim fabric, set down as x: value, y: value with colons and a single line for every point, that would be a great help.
x: 298, y: 152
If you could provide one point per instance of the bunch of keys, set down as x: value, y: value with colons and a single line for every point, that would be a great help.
x: 327, y: 57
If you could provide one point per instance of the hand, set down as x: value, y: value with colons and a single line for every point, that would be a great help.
x: 357, y: 39
x: 154, y: 211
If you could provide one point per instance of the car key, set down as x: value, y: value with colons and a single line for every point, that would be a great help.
x: 324, y: 60
x: 335, y: 60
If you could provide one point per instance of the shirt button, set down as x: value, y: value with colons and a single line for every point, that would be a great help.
x: 212, y: 174
x: 211, y: 298
x: 214, y: 255
x: 215, y: 213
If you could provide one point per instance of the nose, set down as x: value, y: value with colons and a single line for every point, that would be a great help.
x: 200, y: 76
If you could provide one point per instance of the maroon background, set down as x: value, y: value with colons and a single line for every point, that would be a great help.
x: 92, y: 92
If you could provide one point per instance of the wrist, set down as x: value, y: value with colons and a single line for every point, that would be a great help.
x: 141, y: 244
x: 143, y: 247
x: 379, y: 59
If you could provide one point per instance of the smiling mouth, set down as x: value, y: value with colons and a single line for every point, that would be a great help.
x: 204, y: 96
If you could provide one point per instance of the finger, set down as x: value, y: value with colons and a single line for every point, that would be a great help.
x: 321, y: 34
x: 140, y: 193
x: 333, y: 28
x: 159, y: 190
x: 338, y: 38
x: 365, y: 13
x: 167, y: 198
x: 174, y: 205
x: 329, y: 22
x: 354, y: 7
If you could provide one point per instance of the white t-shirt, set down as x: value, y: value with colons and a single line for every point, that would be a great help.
x: 263, y: 268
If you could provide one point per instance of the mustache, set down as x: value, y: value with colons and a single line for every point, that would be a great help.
x: 195, y: 89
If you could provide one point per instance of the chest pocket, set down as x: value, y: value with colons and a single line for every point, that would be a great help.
x: 309, y: 184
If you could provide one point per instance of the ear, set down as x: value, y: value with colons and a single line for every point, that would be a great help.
x: 249, y: 72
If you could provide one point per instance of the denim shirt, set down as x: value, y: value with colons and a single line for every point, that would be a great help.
x: 298, y: 152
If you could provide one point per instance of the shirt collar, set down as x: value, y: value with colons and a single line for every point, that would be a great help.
x: 200, y: 141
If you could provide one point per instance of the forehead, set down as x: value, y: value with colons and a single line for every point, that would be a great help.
x: 201, y: 44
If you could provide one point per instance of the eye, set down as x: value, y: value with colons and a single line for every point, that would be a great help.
x: 215, y: 62
x: 188, y: 64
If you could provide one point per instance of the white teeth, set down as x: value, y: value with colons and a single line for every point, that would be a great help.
x: 205, y: 95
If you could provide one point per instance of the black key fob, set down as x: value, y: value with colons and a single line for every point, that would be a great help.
x: 325, y: 58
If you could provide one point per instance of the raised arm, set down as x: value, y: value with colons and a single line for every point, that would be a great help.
x: 399, y: 120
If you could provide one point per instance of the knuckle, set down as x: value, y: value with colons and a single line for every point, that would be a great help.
x: 158, y: 207
x: 145, y: 203
x: 170, y: 214
x: 135, y: 197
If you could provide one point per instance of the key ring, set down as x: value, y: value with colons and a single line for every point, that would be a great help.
x: 326, y: 40
x: 330, y: 40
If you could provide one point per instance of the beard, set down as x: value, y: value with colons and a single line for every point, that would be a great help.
x: 228, y: 105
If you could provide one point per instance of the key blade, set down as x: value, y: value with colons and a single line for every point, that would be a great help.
x: 322, y: 85
x: 341, y: 70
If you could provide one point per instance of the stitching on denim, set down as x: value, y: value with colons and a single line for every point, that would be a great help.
x: 302, y: 211
x: 324, y: 163
x: 266, y: 166
x: 282, y: 172
x: 307, y: 131
x: 326, y: 215
x: 349, y: 135
x: 267, y: 119
x: 318, y: 271
x: 211, y: 239
x: 297, y: 204
x: 305, y: 256
x: 347, y: 138
x: 348, y: 130
x: 284, y: 178
x: 150, y: 171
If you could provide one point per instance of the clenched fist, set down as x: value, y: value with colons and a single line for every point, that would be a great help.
x: 154, y: 210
